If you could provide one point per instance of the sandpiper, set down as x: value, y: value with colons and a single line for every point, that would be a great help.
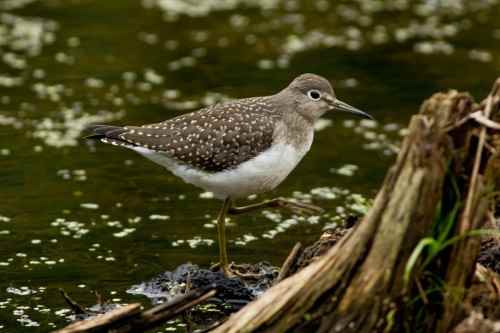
x: 237, y: 148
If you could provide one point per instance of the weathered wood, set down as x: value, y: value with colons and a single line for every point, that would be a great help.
x: 75, y: 307
x: 101, y: 322
x: 481, y: 300
x: 358, y: 285
x: 289, y: 261
x: 482, y: 181
x: 130, y: 318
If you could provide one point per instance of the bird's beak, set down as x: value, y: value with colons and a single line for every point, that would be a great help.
x: 338, y: 105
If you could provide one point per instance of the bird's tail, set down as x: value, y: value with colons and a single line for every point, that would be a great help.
x: 104, y: 131
x: 107, y: 134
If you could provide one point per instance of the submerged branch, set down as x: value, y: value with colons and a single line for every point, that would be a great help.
x: 130, y: 318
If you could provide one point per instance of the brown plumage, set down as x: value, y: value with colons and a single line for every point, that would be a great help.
x: 212, y: 139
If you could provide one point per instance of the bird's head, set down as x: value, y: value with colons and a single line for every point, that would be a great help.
x: 314, y: 96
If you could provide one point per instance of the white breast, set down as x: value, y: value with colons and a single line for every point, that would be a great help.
x: 260, y: 174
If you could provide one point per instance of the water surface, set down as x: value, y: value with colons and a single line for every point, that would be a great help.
x: 85, y: 217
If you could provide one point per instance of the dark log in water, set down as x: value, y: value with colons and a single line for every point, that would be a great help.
x: 130, y: 318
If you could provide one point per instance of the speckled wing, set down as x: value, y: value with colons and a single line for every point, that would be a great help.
x: 212, y: 139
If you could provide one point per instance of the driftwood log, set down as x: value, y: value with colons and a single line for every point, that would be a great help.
x: 132, y: 319
x: 448, y: 159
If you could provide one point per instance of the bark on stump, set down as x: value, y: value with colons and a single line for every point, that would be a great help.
x: 358, y: 285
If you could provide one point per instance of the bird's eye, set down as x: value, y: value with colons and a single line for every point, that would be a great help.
x: 314, y: 94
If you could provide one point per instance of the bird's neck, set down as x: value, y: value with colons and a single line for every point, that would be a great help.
x: 295, y: 130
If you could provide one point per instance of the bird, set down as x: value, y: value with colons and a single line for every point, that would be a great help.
x: 237, y: 148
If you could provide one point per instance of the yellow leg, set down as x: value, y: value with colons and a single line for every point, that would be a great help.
x: 221, y: 233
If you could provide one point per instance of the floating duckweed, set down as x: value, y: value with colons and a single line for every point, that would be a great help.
x: 368, y: 123
x: 313, y: 219
x: 358, y: 203
x: 349, y: 123
x: 64, y: 312
x: 148, y: 38
x: 194, y: 242
x: 14, y: 4
x: 403, y: 132
x: 347, y: 170
x: 171, y: 94
x: 114, y: 224
x: 94, y: 83
x: 129, y: 76
x: 321, y: 124
x: 134, y: 220
x: 78, y: 175
x: 174, y: 8
x: 480, y: 55
x: 70, y: 228
x: 73, y: 41
x: 10, y: 81
x: 21, y: 291
x: 50, y: 92
x: 5, y: 219
x: 391, y: 127
x: 199, y: 52
x: 89, y: 205
x: 125, y: 232
x: 434, y: 47
x: 245, y: 239
x: 431, y: 27
x: 159, y: 217
x: 171, y: 44
x: 272, y: 216
x: 265, y: 64
x: 327, y: 193
x: 280, y: 228
x: 177, y: 242
x: 206, y: 195
x: 211, y: 98
x: 10, y: 121
x: 67, y: 132
x: 63, y: 58
x: 151, y: 76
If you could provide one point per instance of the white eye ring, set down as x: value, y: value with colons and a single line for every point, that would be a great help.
x: 314, y: 94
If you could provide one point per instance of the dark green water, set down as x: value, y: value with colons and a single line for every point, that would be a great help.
x: 87, y: 217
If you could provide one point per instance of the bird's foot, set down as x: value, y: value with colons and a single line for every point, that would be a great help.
x: 298, y: 208
x: 232, y: 270
x: 244, y: 271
